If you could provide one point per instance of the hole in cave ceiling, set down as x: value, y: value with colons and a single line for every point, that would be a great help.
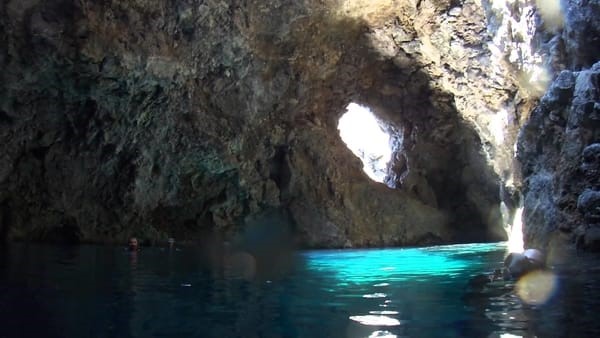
x: 366, y: 137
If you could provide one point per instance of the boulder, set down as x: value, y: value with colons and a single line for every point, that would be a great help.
x: 535, y: 256
x: 518, y: 265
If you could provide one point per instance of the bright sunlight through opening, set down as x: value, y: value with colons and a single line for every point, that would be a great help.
x: 515, y: 237
x: 364, y: 136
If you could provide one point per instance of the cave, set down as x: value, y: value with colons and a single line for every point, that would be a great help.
x: 215, y: 134
x: 154, y: 142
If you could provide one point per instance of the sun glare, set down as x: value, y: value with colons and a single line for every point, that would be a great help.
x: 533, y: 76
x: 515, y: 237
x: 364, y: 136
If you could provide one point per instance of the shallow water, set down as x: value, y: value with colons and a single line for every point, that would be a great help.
x: 101, y: 291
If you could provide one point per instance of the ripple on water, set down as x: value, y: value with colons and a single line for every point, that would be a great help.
x: 374, y: 320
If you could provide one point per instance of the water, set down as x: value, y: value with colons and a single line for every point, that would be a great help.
x: 101, y: 291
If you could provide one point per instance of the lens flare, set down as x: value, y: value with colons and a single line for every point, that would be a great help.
x: 536, y: 287
x: 551, y: 13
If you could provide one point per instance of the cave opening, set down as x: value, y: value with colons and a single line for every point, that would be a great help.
x: 366, y: 136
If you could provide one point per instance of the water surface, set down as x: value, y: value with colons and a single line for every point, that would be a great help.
x: 103, y: 291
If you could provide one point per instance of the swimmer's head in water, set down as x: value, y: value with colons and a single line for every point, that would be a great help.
x: 133, y: 243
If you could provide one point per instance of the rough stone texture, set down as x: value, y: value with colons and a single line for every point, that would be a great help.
x: 588, y: 204
x: 581, y: 34
x: 558, y: 148
x: 590, y: 165
x: 191, y: 119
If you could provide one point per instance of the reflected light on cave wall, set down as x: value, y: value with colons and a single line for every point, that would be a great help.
x: 551, y: 13
x: 364, y: 136
x: 534, y: 77
x: 498, y: 124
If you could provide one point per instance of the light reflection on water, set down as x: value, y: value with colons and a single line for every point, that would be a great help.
x: 383, y: 266
x: 94, y: 291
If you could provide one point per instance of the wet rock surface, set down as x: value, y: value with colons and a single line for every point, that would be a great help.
x: 190, y: 119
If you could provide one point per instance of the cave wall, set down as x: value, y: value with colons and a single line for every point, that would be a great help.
x: 558, y: 146
x: 190, y: 119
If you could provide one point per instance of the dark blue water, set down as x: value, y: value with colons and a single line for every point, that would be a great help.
x: 100, y: 291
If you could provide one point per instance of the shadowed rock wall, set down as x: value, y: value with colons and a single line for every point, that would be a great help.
x: 191, y: 119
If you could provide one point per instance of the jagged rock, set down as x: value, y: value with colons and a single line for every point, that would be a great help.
x: 589, y: 205
x: 560, y: 91
x: 591, y: 162
x: 540, y: 210
x: 566, y: 152
x: 581, y: 32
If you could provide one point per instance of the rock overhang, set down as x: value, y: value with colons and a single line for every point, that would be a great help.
x: 207, y: 116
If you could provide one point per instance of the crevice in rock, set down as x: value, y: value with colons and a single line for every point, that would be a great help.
x: 279, y: 169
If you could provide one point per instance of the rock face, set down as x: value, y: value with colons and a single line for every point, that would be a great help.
x: 561, y: 160
x: 200, y: 119
x: 558, y: 146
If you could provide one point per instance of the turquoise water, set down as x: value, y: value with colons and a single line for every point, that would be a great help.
x: 100, y: 291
